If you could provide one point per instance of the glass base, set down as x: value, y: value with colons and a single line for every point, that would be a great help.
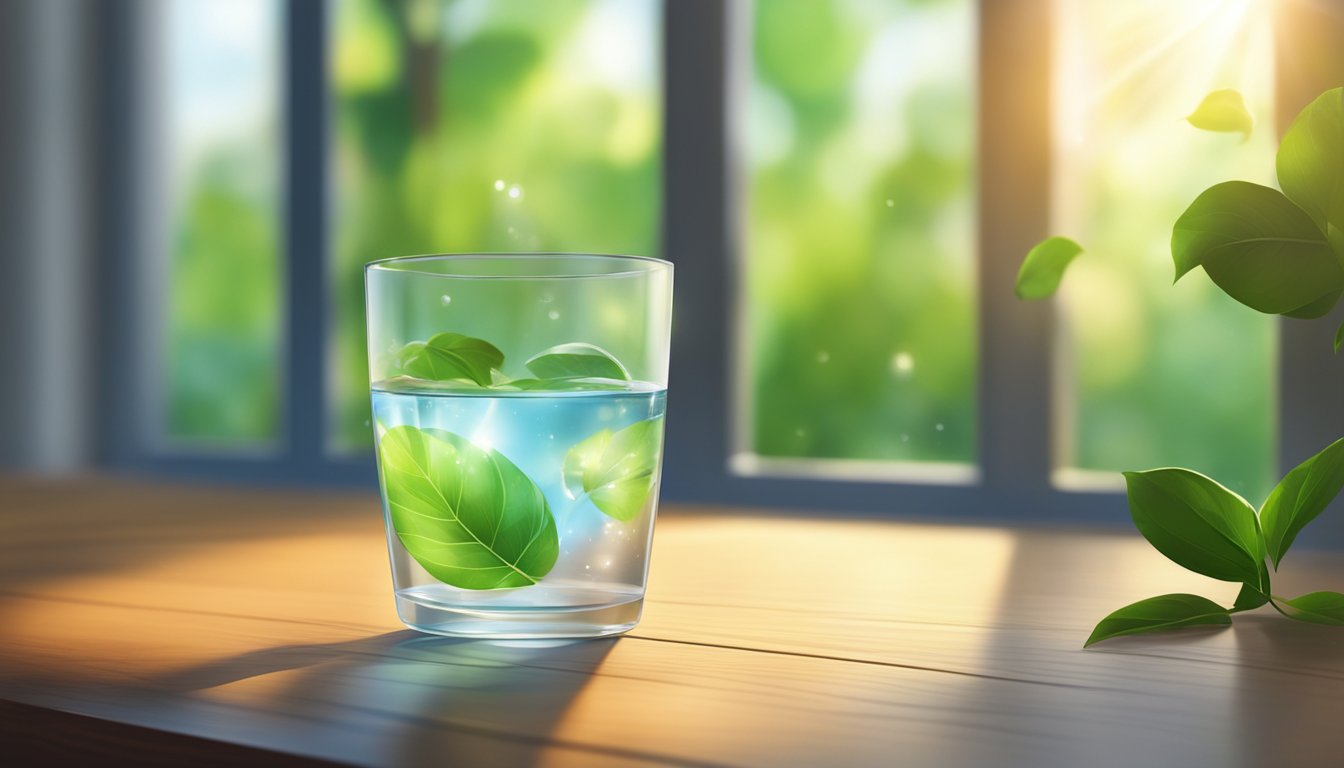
x: 423, y: 610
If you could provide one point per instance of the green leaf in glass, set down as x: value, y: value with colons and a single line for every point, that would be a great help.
x: 616, y: 470
x: 467, y: 515
x: 451, y: 356
x: 1223, y: 111
x: 1315, y: 607
x: 1256, y: 245
x: 1044, y: 267
x: 563, y: 385
x: 1198, y: 524
x: 1160, y: 613
x: 1339, y: 338
x: 1310, y: 162
x: 1299, y: 497
x: 577, y: 361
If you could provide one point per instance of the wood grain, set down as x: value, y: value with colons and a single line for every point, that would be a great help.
x: 265, y: 620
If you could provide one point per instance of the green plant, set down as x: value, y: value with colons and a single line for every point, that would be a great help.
x: 1278, y: 252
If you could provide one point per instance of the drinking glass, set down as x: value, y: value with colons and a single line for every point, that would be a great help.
x: 518, y: 407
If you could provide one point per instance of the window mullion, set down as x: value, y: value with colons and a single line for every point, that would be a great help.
x: 305, y: 209
x: 1015, y: 336
x: 1311, y: 379
x: 696, y: 237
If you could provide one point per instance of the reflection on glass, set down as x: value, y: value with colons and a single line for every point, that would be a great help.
x: 221, y: 222
x: 1157, y: 374
x: 484, y: 126
x: 859, y: 309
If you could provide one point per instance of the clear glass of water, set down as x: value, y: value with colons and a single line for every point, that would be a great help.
x: 518, y: 408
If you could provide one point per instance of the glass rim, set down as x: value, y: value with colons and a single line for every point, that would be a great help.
x: 641, y: 265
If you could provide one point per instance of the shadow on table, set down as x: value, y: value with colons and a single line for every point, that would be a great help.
x: 1290, y: 675
x: 423, y: 698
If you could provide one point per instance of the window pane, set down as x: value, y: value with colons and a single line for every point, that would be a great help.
x: 860, y: 315
x: 220, y: 231
x: 510, y: 125
x: 1160, y: 374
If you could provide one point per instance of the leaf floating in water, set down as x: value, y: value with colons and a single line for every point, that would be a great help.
x: 577, y: 361
x: 468, y: 515
x: 451, y: 356
x: 1223, y: 111
x: 616, y: 470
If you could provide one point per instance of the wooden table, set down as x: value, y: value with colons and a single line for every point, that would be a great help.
x: 232, y: 626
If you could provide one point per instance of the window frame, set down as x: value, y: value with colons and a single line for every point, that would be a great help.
x: 705, y: 45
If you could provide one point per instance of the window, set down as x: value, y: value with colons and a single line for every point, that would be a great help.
x: 858, y: 244
x: 1155, y: 374
x: 846, y: 186
x: 219, y: 225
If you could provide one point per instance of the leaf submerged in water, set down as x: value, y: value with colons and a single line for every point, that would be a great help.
x: 616, y: 470
x: 468, y: 515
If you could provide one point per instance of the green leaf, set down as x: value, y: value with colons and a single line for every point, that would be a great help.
x: 467, y: 515
x: 1249, y: 597
x: 617, y: 470
x: 577, y: 361
x: 1160, y: 613
x: 564, y: 385
x: 1223, y: 111
x: 1044, y: 267
x: 1256, y: 245
x: 1311, y: 159
x: 1339, y: 337
x: 1314, y: 607
x: 1299, y: 497
x: 451, y: 356
x: 1318, y: 308
x: 1198, y: 524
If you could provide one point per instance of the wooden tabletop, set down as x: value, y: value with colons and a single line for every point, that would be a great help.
x: 263, y: 622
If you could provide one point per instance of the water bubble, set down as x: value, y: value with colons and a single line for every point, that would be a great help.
x: 515, y: 192
x: 800, y: 432
x: 891, y: 203
x: 823, y: 356
x: 553, y: 315
x: 905, y: 438
x: 445, y: 299
x: 499, y: 185
x: 547, y: 298
x: 938, y: 427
